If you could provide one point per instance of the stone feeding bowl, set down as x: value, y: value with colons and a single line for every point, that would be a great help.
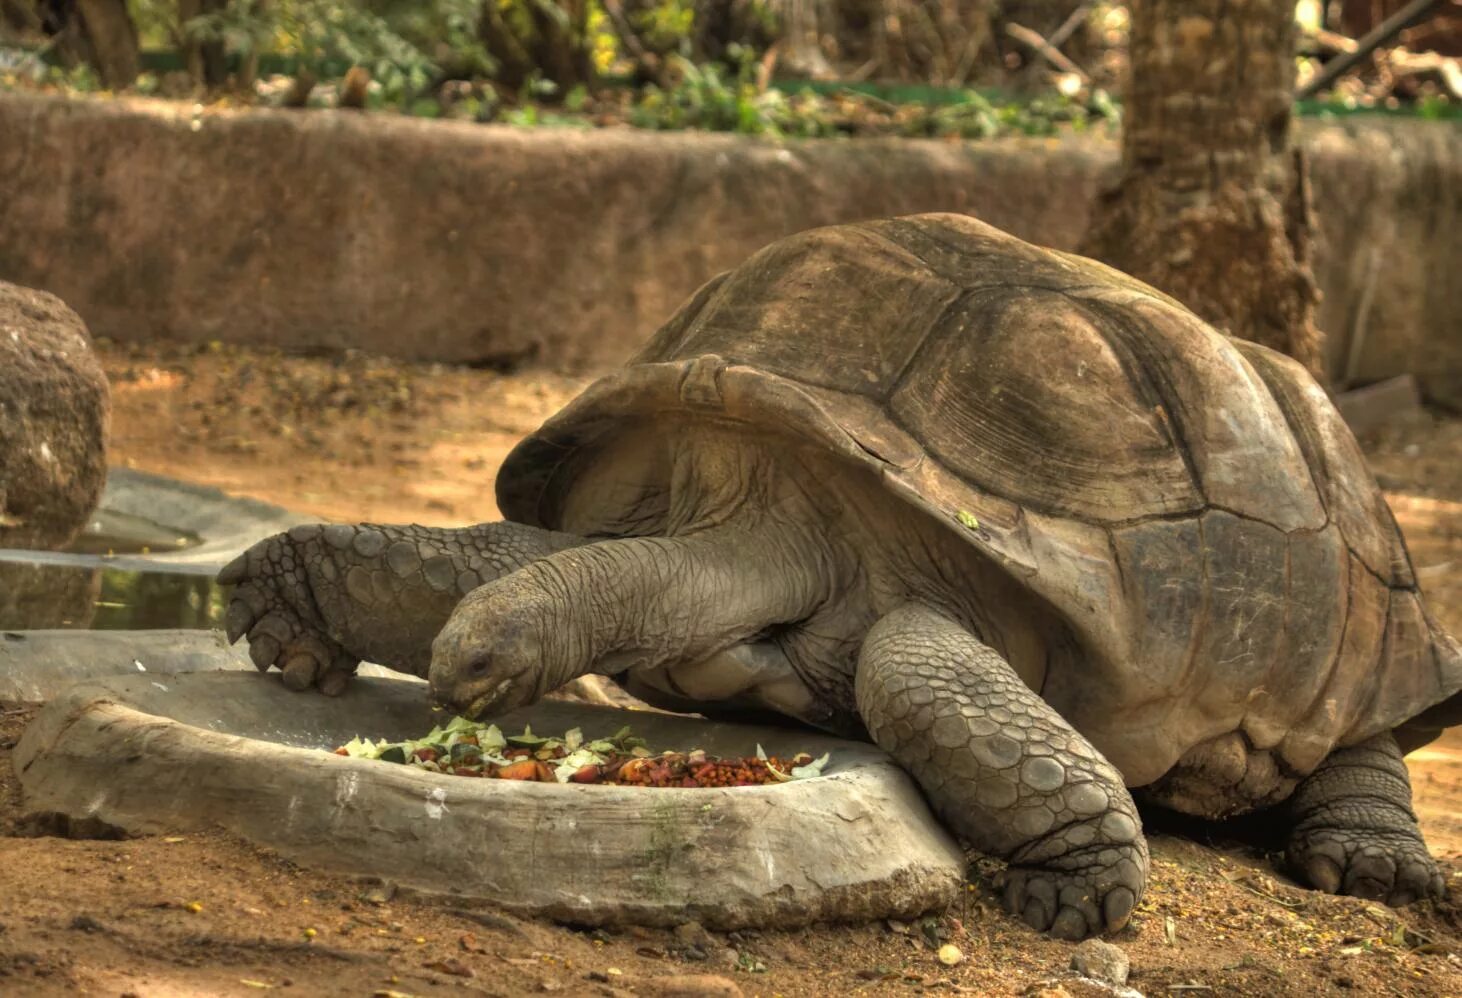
x: 190, y: 751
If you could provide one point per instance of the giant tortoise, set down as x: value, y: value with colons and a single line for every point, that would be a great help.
x: 1028, y: 524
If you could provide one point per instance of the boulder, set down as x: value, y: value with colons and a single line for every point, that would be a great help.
x: 41, y: 597
x: 54, y: 411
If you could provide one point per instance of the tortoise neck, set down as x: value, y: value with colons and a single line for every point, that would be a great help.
x: 652, y: 601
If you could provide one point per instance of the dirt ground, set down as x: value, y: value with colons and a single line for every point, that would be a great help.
x: 359, y: 439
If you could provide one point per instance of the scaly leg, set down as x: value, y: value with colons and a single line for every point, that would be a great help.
x: 317, y: 600
x: 1354, y: 830
x: 1005, y: 771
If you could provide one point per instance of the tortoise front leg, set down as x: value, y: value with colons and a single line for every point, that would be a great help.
x: 1005, y: 771
x: 317, y: 600
x: 1354, y: 831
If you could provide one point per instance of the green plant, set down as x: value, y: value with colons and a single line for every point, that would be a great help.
x: 716, y: 98
x: 444, y: 30
x: 319, y: 35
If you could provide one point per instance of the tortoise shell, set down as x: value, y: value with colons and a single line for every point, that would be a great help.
x: 1192, y: 505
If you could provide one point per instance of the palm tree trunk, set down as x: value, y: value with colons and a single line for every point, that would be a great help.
x: 1213, y: 204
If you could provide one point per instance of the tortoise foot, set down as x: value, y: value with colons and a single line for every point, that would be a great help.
x: 1394, y: 868
x: 1354, y: 830
x: 273, y: 604
x: 1085, y: 893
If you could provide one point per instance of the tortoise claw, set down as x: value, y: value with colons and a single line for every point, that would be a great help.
x: 240, y: 618
x: 263, y: 650
x: 300, y: 671
x: 235, y: 571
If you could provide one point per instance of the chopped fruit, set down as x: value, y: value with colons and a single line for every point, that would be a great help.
x: 468, y: 748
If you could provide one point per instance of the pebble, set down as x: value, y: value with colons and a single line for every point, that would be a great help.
x: 1101, y: 961
x: 693, y: 934
x: 379, y: 895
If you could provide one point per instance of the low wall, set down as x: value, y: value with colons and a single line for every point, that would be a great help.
x: 488, y: 244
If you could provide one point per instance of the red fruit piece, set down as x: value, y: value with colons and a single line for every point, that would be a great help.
x: 524, y: 769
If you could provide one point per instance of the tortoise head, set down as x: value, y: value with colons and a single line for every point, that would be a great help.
x: 490, y: 657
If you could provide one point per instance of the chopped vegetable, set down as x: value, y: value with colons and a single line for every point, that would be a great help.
x: 468, y: 748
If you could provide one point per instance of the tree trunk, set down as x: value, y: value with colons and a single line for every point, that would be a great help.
x: 207, y: 61
x: 20, y: 19
x: 1213, y: 205
x: 112, y: 39
x: 546, y: 39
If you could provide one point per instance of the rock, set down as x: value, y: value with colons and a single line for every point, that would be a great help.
x: 1367, y: 409
x: 54, y: 412
x: 695, y: 934
x: 39, y: 597
x: 689, y: 986
x: 1101, y: 961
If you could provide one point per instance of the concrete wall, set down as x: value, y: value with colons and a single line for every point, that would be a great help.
x: 478, y: 244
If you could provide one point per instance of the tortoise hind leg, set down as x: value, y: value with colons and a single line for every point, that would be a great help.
x: 1005, y: 771
x: 1354, y: 831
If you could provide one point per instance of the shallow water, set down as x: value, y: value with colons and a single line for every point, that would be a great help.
x: 36, y: 595
x: 100, y: 582
x: 112, y: 532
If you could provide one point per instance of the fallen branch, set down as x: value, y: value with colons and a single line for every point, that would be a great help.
x: 1331, y: 42
x: 1046, y: 50
x: 1069, y: 26
x: 1374, y: 39
x: 1404, y: 62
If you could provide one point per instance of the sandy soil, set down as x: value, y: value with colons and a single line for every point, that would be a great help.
x: 363, y: 439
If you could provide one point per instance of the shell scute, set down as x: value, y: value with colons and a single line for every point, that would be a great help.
x: 858, y: 304
x: 1315, y: 605
x: 1019, y: 392
x: 1343, y: 485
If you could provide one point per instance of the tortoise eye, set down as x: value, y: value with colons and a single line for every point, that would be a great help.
x: 480, y: 665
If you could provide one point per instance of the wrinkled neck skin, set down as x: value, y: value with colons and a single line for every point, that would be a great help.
x: 644, y: 602
x: 618, y: 604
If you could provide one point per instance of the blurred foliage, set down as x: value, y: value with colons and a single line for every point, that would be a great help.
x: 709, y: 97
x: 542, y: 39
x: 317, y: 34
x: 760, y: 67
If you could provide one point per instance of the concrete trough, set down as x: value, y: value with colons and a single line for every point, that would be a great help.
x: 240, y: 751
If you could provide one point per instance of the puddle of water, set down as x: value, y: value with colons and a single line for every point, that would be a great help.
x: 35, y: 596
x: 42, y: 590
x: 112, y: 532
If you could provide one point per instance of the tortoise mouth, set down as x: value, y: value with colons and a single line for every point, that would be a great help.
x: 482, y: 704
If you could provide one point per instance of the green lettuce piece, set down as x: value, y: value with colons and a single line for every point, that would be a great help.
x: 575, y: 761
x: 813, y: 768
